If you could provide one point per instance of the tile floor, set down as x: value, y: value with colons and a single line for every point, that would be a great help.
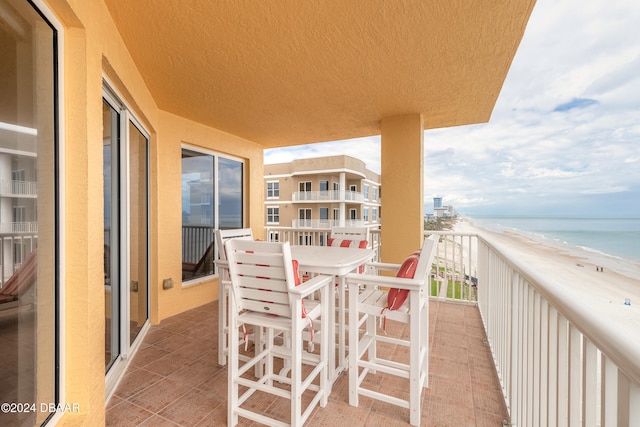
x: 175, y: 380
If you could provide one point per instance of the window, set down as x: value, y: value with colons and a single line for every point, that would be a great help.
x: 324, y: 216
x: 374, y: 193
x: 366, y: 215
x: 273, y: 215
x: 353, y: 214
x: 374, y: 214
x: 304, y: 186
x: 366, y: 192
x: 29, y: 235
x: 273, y: 190
x: 212, y: 198
x: 304, y: 217
x: 336, y: 214
x: 324, y: 185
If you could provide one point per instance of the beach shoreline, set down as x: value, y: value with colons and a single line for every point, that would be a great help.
x: 603, y: 291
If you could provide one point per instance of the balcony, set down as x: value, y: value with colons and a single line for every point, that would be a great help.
x: 325, y: 224
x: 11, y: 188
x: 508, y: 342
x: 19, y: 227
x: 174, y: 378
x: 327, y: 196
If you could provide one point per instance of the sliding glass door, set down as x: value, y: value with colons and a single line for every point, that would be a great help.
x: 126, y: 232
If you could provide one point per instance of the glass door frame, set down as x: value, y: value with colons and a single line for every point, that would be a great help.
x: 127, y: 349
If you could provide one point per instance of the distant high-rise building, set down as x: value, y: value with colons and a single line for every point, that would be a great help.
x: 437, y: 203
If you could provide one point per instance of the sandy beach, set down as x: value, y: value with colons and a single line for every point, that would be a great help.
x: 603, y: 292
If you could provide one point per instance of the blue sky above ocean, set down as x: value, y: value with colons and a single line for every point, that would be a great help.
x: 564, y: 136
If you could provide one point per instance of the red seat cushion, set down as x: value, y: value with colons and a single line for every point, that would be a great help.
x: 396, y: 297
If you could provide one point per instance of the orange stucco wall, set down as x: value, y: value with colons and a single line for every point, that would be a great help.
x: 92, y: 49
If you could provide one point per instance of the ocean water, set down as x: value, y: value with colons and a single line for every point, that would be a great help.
x: 609, y: 242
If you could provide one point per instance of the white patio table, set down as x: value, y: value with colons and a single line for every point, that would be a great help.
x: 338, y: 262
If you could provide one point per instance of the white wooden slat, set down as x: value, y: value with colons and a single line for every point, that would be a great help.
x: 264, y: 295
x: 264, y: 283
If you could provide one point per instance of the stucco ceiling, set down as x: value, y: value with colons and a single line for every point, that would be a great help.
x: 285, y: 72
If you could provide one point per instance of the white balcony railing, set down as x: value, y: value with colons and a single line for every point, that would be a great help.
x: 18, y: 227
x: 559, y: 361
x: 327, y: 196
x: 18, y: 188
x: 328, y: 223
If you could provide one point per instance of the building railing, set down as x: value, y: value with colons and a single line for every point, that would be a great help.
x: 455, y: 271
x: 18, y: 227
x: 318, y: 236
x: 558, y: 361
x: 18, y: 188
x: 329, y: 223
x: 195, y: 241
x: 328, y: 196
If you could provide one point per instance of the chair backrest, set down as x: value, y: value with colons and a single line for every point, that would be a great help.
x: 261, y: 275
x: 351, y: 233
x: 415, y: 266
x: 427, y: 253
x: 223, y: 235
x: 356, y: 237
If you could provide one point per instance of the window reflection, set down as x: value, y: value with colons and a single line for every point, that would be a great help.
x: 27, y: 213
x: 212, y: 197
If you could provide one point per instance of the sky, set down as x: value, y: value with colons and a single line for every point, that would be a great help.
x: 564, y: 136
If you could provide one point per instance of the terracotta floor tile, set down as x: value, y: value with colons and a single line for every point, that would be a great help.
x: 175, y: 378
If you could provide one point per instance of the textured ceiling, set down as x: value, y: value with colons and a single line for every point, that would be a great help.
x: 285, y: 72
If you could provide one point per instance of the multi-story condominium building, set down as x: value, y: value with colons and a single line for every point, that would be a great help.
x: 322, y: 193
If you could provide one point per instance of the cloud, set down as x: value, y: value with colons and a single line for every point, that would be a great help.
x: 564, y: 136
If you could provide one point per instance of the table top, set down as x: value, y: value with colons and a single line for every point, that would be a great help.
x: 332, y: 260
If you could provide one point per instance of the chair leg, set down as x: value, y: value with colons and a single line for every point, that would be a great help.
x: 424, y: 341
x: 354, y: 347
x: 232, y: 417
x: 415, y: 386
x: 296, y: 371
x: 223, y: 327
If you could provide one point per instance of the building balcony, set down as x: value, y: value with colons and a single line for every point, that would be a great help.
x: 329, y: 223
x: 175, y: 378
x: 509, y: 343
x: 12, y: 188
x: 334, y: 196
x: 18, y: 227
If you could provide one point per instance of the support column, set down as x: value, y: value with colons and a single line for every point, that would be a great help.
x: 402, y: 184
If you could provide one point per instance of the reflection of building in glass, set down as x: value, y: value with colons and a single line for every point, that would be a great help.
x: 18, y: 196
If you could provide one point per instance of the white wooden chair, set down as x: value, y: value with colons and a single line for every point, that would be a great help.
x: 349, y: 236
x: 264, y: 294
x: 374, y: 304
x: 223, y: 288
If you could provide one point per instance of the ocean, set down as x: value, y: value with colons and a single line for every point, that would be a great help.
x: 609, y: 242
